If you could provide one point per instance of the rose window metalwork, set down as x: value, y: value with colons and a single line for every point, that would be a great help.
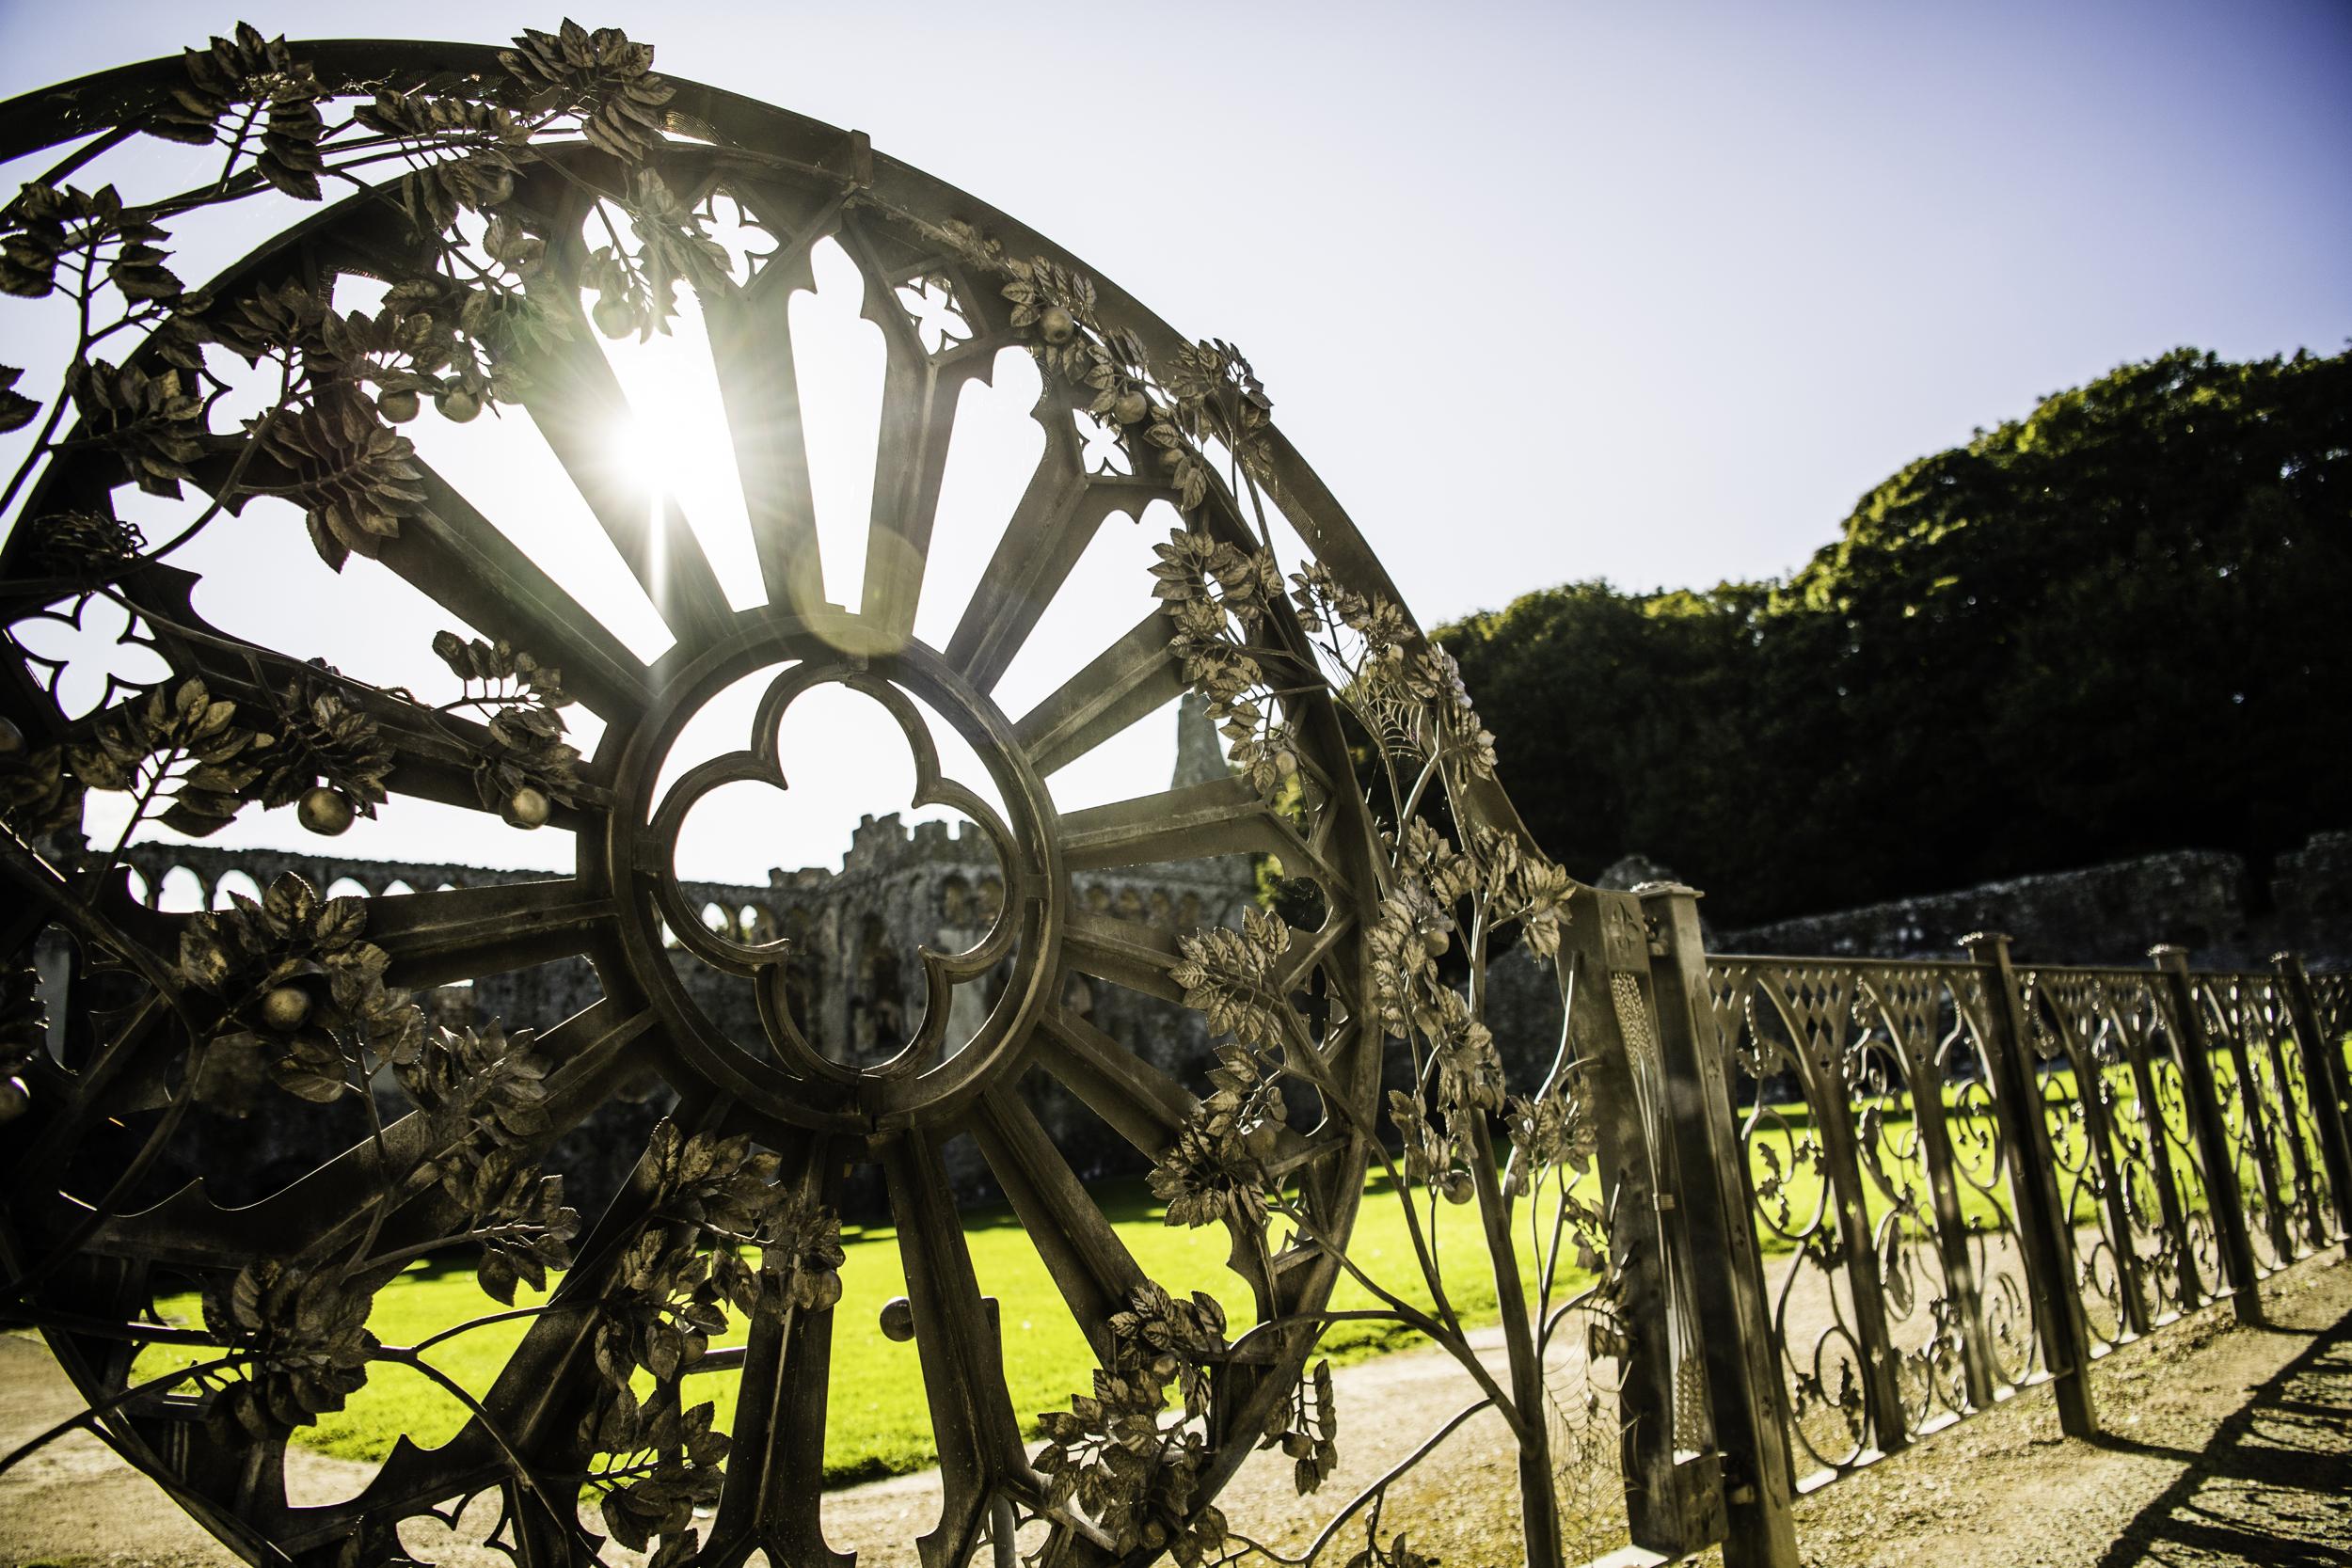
x: 817, y: 1084
x: 466, y: 259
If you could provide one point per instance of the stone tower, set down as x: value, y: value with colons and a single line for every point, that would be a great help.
x: 1199, y: 754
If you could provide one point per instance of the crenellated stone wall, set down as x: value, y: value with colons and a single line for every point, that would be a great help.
x: 855, y: 978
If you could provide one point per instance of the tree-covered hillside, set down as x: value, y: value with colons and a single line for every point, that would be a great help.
x: 2121, y: 624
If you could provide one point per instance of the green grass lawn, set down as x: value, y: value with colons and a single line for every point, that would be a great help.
x: 877, y: 1423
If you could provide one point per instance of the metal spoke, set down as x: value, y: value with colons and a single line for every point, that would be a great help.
x: 963, y: 1370
x: 468, y: 932
x: 435, y: 752
x: 1091, y: 1265
x: 1125, y: 952
x: 1138, y: 1102
x: 1221, y: 816
x: 776, y: 1466
x: 751, y: 348
x: 918, y: 416
x: 1134, y: 677
x: 579, y: 406
x: 459, y: 558
x: 550, y: 1381
x: 1057, y: 517
x: 327, y: 1209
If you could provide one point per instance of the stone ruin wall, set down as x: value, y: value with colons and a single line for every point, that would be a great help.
x: 2229, y: 913
x: 899, y: 888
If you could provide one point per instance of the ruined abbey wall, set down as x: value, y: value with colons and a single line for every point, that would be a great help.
x: 855, y: 978
x: 2229, y: 912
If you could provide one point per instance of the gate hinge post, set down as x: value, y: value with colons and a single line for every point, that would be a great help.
x: 1742, y: 1369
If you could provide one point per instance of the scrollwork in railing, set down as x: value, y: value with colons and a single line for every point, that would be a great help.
x: 2074, y: 1060
x: 1982, y: 1162
x: 2332, y: 1010
x: 1916, y: 1046
x: 1876, y: 1161
x: 1771, y: 1025
x: 2331, y: 1001
x: 2183, y: 1256
x: 2294, y: 1131
x: 2248, y: 1094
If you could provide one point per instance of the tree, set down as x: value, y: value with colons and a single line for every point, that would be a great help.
x: 2111, y: 627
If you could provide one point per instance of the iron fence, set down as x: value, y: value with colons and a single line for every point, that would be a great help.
x: 1923, y: 1187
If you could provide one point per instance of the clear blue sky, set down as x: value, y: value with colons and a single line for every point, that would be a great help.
x: 1648, y: 292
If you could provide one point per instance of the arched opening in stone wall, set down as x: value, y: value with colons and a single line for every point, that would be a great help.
x: 879, y: 1024
x: 234, y: 882
x: 182, y: 892
x: 803, y: 971
x: 955, y: 902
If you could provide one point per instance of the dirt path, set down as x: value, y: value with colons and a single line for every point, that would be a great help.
x: 2227, y: 1446
x: 2223, y: 1445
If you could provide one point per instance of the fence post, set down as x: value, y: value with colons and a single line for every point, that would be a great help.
x: 1742, y: 1369
x: 2044, y: 1224
x: 2322, y: 1085
x: 1672, y: 1476
x: 2222, y: 1198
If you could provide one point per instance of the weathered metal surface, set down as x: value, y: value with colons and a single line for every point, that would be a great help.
x: 1749, y: 1403
x: 786, y: 1107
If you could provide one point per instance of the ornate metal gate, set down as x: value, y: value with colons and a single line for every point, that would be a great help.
x: 483, y: 186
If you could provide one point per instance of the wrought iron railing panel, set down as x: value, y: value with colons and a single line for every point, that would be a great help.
x: 1983, y: 1164
x: 1915, y: 1029
x: 1795, y: 1214
x: 2332, y: 1000
x: 2074, y: 1060
x: 2153, y: 1208
x: 2246, y: 1079
x: 2332, y: 1010
x: 2270, y: 1013
x: 1876, y: 1163
x: 2187, y: 1272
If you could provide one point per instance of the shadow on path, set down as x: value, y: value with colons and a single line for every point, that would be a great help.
x: 2274, y: 1486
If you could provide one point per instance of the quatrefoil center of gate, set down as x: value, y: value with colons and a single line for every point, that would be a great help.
x: 858, y: 1062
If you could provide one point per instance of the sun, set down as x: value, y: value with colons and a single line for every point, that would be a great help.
x: 673, y: 444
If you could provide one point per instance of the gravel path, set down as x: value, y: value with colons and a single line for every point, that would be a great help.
x: 2221, y: 1445
x: 2227, y: 1446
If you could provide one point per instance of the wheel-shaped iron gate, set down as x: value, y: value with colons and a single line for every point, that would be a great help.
x: 483, y: 234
